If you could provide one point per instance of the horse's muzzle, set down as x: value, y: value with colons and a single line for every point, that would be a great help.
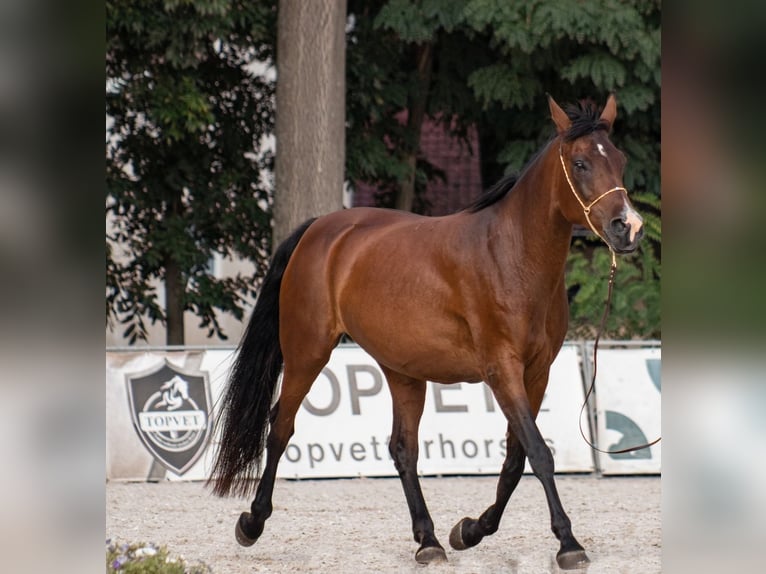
x: 624, y: 235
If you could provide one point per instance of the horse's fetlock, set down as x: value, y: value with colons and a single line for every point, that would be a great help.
x: 488, y: 528
x: 261, y: 511
x: 562, y: 530
x: 420, y: 534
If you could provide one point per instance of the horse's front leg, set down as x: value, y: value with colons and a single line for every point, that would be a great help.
x: 469, y: 532
x: 408, y: 398
x: 508, y: 385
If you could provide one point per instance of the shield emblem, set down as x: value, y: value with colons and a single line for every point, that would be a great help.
x: 171, y: 410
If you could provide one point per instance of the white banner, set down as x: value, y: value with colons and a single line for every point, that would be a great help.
x: 158, y: 428
x: 628, y: 409
x: 344, y: 425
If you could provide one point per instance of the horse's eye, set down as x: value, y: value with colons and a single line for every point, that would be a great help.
x: 580, y: 165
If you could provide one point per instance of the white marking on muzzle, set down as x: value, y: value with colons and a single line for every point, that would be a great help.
x: 635, y: 221
x: 601, y: 149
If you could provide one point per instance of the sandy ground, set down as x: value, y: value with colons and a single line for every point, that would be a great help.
x: 362, y: 525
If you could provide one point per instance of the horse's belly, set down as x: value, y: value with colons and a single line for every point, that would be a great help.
x: 437, y: 367
x: 431, y: 351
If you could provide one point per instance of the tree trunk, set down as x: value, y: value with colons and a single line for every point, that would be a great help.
x: 417, y: 101
x: 174, y: 303
x: 310, y: 112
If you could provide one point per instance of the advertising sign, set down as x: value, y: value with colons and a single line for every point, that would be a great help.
x: 160, y: 418
x: 170, y: 408
x: 344, y: 425
x: 159, y: 413
x: 628, y: 409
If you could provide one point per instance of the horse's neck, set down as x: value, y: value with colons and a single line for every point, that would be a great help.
x: 529, y: 222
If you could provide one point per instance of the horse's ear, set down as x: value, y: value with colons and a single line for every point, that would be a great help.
x: 610, y: 111
x: 560, y: 118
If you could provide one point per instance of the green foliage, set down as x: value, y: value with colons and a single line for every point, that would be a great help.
x: 603, y: 69
x: 512, y: 86
x: 376, y: 90
x: 516, y: 153
x: 419, y: 22
x: 635, y: 307
x: 649, y: 206
x: 183, y: 176
x: 142, y: 558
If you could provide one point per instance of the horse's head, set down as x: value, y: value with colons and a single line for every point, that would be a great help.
x: 592, y: 166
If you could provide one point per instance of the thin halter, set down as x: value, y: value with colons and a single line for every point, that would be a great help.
x: 586, y: 208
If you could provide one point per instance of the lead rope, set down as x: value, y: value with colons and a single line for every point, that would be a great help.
x: 612, y: 271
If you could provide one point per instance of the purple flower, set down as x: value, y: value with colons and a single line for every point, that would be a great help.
x: 119, y: 561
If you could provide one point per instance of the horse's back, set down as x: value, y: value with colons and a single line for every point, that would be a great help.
x: 338, y: 243
x: 377, y: 237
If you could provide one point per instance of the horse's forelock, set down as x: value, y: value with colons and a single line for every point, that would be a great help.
x: 586, y: 119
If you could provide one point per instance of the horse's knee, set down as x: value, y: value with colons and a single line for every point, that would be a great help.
x: 513, y: 465
x: 398, y: 452
x: 541, y: 461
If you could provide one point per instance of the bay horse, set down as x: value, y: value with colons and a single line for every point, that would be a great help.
x: 478, y: 295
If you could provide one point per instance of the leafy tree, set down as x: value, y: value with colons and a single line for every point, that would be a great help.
x: 186, y: 117
x: 411, y: 56
x: 379, y: 148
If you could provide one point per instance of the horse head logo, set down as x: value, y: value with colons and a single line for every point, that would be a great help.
x: 174, y: 393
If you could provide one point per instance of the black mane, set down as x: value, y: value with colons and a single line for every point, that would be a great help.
x: 493, y: 194
x: 585, y: 118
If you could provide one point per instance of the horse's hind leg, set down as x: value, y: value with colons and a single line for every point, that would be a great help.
x: 296, y: 383
x: 408, y: 397
x: 469, y: 532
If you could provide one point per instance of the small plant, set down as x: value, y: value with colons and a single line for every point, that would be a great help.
x: 635, y: 306
x: 143, y: 558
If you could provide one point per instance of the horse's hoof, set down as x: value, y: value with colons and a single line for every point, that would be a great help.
x: 239, y: 533
x: 572, y: 559
x: 430, y: 554
x: 456, y: 536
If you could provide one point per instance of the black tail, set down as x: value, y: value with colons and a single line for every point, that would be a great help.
x: 244, y: 414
